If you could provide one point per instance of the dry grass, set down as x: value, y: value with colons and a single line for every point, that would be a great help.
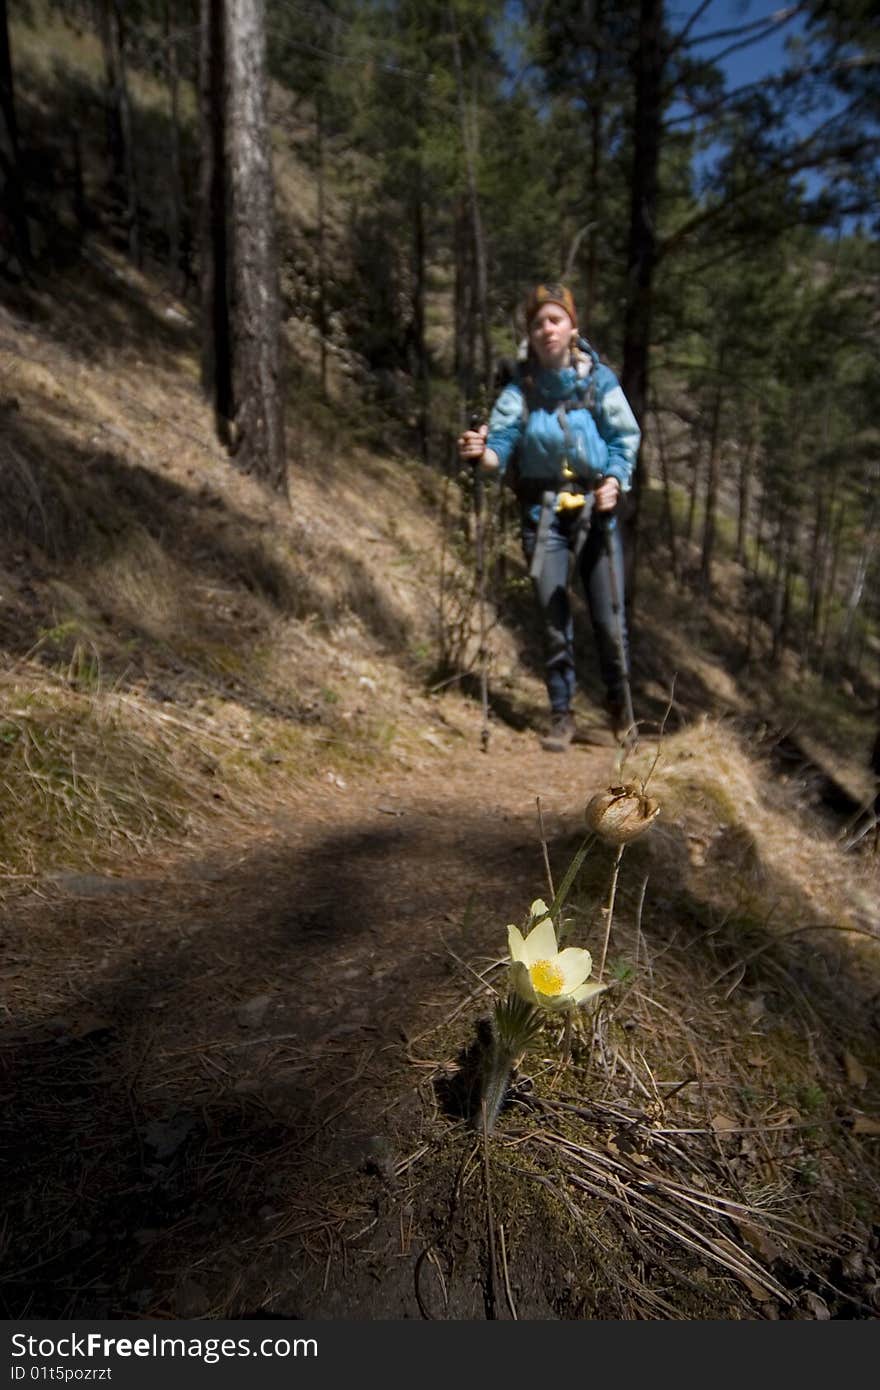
x: 90, y: 777
x: 749, y: 853
x: 706, y: 1148
x: 153, y: 596
x: 710, y: 1148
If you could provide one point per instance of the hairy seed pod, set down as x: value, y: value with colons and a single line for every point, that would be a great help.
x: 619, y: 814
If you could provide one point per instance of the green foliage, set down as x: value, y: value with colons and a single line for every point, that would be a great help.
x: 622, y: 971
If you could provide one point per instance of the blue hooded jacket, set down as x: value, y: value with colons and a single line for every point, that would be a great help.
x: 601, y: 435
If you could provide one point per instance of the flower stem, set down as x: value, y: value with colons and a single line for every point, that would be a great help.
x: 609, y: 911
x: 544, y: 849
x: 566, y: 1037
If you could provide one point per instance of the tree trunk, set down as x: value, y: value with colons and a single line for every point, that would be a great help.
x: 7, y: 99
x: 759, y: 530
x: 214, y: 250
x: 753, y: 579
x: 696, y: 458
x: 788, y: 589
x: 780, y: 581
x: 816, y: 583
x: 462, y: 366
x: 423, y: 374
x: 837, y: 525
x: 875, y: 768
x: 596, y: 146
x: 462, y: 295
x: 667, y: 497
x: 322, y: 237
x: 466, y: 313
x: 12, y: 186
x: 746, y: 465
x: 113, y: 129
x: 713, y: 479
x: 597, y: 149
x: 751, y: 603
x: 119, y: 122
x: 84, y: 218
x: 642, y: 252
x: 855, y: 595
x: 470, y: 143
x: 175, y: 191
x: 259, y: 415
x: 819, y: 567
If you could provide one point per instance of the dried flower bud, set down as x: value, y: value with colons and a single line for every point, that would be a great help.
x: 619, y: 814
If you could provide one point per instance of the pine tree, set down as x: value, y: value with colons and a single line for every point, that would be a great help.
x: 242, y: 316
x: 11, y: 187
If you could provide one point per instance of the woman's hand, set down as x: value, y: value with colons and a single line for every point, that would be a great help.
x: 472, y: 448
x: 606, y: 495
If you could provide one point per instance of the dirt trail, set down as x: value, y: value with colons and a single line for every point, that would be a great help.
x: 206, y: 1052
x: 233, y: 1084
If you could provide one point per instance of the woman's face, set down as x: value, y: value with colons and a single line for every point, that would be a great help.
x: 550, y: 335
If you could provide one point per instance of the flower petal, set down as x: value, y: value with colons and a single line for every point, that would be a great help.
x: 538, y: 909
x: 586, y: 991
x: 540, y: 944
x: 575, y: 965
x: 515, y: 943
x: 555, y: 1003
x: 521, y: 981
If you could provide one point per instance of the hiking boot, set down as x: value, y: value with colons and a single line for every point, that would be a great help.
x: 561, y: 731
x: 620, y: 725
x: 616, y: 716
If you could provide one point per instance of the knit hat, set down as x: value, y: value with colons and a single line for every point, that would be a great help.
x: 550, y: 294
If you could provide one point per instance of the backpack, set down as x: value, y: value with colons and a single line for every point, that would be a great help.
x: 519, y: 373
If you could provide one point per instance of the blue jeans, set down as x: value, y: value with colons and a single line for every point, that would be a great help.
x: 602, y: 544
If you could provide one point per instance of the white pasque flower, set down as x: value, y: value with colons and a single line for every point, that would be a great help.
x: 541, y: 973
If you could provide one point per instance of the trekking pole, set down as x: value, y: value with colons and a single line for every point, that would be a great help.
x: 475, y: 423
x: 609, y: 525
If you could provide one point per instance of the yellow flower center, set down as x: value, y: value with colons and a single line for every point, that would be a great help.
x: 546, y: 977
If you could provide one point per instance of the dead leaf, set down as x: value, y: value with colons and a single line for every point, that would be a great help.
x: 758, y: 1292
x: 722, y: 1124
x: 855, y: 1072
x: 865, y: 1124
x: 817, y: 1306
x: 756, y: 1060
x: 760, y: 1241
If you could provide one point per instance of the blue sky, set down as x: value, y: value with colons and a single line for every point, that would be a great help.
x: 767, y: 57
x: 760, y: 59
x: 756, y: 55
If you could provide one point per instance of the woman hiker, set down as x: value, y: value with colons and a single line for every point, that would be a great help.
x: 565, y: 427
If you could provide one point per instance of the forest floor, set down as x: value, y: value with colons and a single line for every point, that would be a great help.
x: 257, y: 877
